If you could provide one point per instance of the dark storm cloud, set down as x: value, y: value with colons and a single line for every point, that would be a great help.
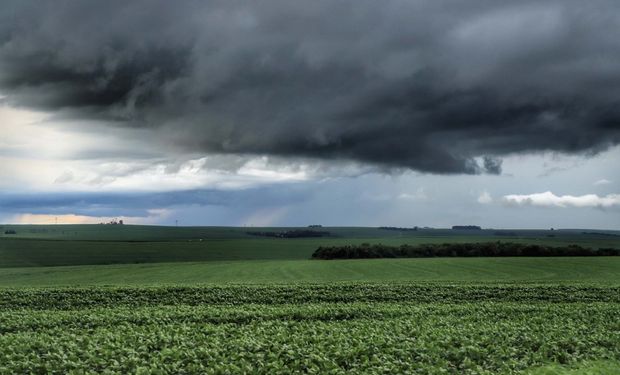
x: 441, y: 87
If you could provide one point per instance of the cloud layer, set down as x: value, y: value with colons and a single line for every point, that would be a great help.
x: 441, y: 87
x: 548, y: 199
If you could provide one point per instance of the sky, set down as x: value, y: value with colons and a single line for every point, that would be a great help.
x: 275, y: 113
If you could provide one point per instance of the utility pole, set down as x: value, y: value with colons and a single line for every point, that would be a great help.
x: 176, y: 222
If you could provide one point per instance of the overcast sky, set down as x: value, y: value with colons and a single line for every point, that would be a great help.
x: 348, y: 112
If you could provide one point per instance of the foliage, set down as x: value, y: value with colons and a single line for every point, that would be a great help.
x: 335, y: 328
x: 76, y: 297
x: 400, y: 229
x: 485, y: 249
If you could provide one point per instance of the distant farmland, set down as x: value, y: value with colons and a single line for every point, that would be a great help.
x: 114, y: 244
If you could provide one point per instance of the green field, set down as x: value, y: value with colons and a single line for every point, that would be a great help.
x: 333, y: 328
x: 64, y: 245
x: 582, y: 269
x: 136, y: 299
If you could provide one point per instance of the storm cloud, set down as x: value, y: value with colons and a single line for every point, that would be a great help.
x: 441, y: 87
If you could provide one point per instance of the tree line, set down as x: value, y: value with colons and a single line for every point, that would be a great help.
x: 484, y: 249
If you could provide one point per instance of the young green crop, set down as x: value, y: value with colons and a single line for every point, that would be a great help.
x: 89, y: 297
x: 326, y: 328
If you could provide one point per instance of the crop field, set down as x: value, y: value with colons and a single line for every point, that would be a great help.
x: 602, y: 270
x: 333, y: 328
x: 148, y: 300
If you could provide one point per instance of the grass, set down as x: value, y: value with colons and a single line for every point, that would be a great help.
x: 580, y: 269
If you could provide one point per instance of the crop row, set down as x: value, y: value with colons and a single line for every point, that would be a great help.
x: 74, y: 298
x: 468, y: 338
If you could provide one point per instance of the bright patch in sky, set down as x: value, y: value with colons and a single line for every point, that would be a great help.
x: 485, y: 198
x: 42, y: 219
x: 548, y: 199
